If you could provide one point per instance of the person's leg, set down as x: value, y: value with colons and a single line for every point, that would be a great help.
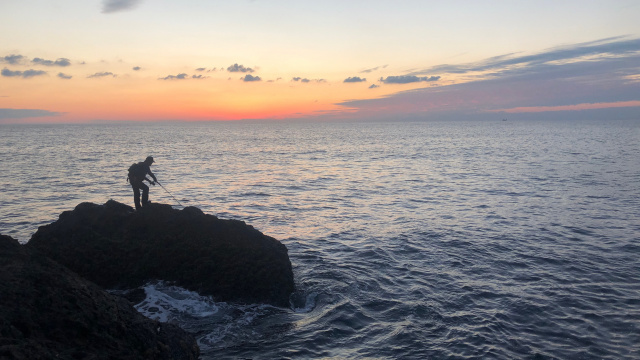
x: 136, y: 195
x: 145, y: 193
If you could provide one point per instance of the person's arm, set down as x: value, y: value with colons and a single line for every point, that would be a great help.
x: 153, y: 176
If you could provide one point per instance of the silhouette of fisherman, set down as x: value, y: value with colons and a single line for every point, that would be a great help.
x: 137, y: 174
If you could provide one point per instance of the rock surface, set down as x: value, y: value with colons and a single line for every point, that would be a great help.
x: 49, y: 312
x: 117, y: 247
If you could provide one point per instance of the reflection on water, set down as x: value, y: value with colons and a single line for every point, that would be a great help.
x: 408, y: 240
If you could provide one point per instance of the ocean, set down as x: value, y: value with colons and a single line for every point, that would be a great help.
x: 409, y: 240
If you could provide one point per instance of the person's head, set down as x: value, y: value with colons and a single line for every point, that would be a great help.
x: 148, y: 160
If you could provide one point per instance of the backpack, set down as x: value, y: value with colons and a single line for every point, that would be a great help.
x: 137, y: 170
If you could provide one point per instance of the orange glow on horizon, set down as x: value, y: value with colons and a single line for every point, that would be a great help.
x: 586, y: 106
x: 151, y: 99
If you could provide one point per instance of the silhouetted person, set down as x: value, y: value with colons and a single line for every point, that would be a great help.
x: 137, y: 174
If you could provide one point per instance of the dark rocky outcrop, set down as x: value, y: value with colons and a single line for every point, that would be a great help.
x: 117, y: 247
x: 49, y: 312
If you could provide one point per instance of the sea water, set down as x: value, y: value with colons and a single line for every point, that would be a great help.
x: 409, y: 240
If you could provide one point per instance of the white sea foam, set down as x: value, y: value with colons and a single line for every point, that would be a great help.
x: 165, y: 303
x: 219, y: 324
x: 309, y: 304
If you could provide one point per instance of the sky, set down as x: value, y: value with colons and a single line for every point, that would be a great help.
x: 78, y: 61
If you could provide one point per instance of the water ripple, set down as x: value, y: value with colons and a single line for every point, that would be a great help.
x: 408, y: 240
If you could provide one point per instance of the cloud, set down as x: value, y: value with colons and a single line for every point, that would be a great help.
x: 305, y: 80
x: 101, y: 74
x: 239, y: 68
x: 64, y: 76
x: 373, y: 69
x: 250, y: 77
x: 198, y: 77
x: 137, y: 68
x: 111, y: 6
x: 181, y: 76
x: 12, y: 59
x: 8, y: 73
x: 609, y: 47
x: 202, y: 69
x: 60, y: 62
x: 560, y: 80
x: 24, y: 74
x: 355, y: 79
x: 407, y: 79
x: 6, y: 114
x: 32, y: 73
x: 373, y: 86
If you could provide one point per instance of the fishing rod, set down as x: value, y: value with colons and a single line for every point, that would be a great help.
x: 169, y: 193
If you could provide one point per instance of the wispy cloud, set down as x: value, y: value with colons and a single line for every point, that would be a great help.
x: 582, y: 77
x: 373, y: 69
x: 101, y: 75
x: 64, y: 76
x: 137, y: 68
x: 305, y: 80
x: 13, y: 59
x: 407, y: 79
x: 183, y: 76
x: 239, y: 68
x: 111, y: 6
x: 354, y: 79
x: 24, y: 74
x: 204, y: 69
x: 609, y: 47
x: 59, y: 62
x: 373, y: 86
